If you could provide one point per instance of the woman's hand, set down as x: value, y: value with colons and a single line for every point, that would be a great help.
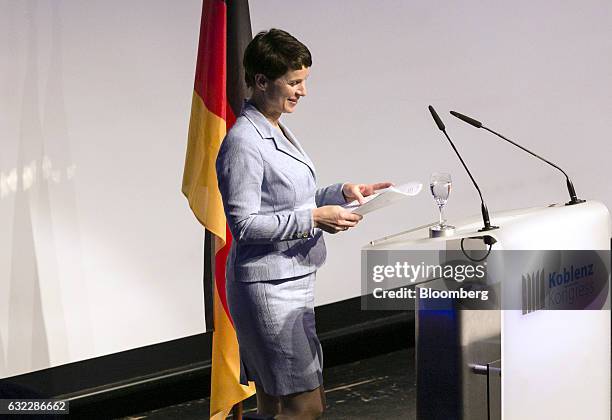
x: 334, y: 219
x: 359, y: 191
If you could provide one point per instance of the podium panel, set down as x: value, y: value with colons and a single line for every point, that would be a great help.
x: 522, y: 361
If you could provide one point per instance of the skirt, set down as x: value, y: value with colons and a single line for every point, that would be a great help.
x: 275, y: 326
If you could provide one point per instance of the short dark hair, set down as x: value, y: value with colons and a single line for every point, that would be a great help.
x: 273, y: 53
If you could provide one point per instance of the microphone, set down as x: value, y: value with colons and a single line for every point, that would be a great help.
x: 478, y: 124
x: 483, y: 207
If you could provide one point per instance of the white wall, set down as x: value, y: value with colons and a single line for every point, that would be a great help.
x: 98, y: 250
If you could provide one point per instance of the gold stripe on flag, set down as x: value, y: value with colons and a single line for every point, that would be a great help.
x: 206, y: 132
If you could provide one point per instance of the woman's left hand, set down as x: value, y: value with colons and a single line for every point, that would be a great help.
x: 359, y: 191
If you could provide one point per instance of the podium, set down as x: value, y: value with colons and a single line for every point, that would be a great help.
x: 523, y: 361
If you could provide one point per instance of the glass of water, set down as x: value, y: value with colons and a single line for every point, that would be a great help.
x: 440, y: 185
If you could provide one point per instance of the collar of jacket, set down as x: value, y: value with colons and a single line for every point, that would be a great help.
x: 267, y: 131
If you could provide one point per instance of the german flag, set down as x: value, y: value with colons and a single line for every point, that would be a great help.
x: 219, y: 90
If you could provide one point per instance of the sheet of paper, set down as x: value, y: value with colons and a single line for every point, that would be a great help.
x: 385, y: 197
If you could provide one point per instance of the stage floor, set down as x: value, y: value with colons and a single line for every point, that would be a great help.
x: 374, y: 388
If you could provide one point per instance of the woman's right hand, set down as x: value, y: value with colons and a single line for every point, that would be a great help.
x: 334, y: 219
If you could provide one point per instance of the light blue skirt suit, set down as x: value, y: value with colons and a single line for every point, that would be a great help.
x: 268, y: 186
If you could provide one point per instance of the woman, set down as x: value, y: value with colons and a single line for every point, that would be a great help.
x: 276, y: 216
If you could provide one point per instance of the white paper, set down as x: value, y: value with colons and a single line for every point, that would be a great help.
x: 385, y: 197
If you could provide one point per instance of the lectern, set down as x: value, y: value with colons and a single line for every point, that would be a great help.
x: 527, y: 360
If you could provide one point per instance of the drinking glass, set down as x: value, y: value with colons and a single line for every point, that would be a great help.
x: 440, y: 185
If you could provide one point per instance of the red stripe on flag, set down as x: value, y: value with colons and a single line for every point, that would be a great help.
x: 221, y: 256
x: 210, y: 68
x: 230, y: 118
x: 210, y: 85
x: 220, y: 259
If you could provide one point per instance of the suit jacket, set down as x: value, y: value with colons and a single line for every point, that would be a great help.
x: 268, y: 186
